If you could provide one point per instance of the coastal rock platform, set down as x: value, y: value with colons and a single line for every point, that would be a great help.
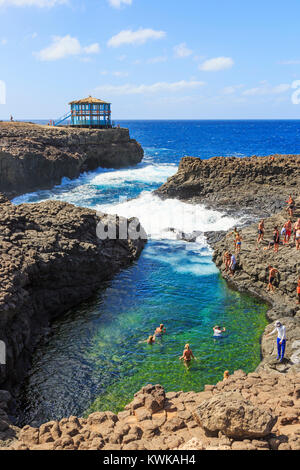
x: 253, y: 186
x: 258, y: 411
x: 35, y: 157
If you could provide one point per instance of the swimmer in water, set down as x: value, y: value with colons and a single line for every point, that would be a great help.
x: 218, y: 331
x: 160, y: 330
x: 187, y: 355
x: 151, y: 339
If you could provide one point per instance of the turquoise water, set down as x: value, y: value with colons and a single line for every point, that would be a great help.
x: 96, y: 357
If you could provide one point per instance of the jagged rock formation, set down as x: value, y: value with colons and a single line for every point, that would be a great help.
x: 252, y: 276
x: 265, y: 415
x: 34, y: 157
x: 252, y: 185
x: 51, y: 259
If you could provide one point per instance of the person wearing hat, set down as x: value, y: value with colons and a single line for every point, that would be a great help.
x: 281, y: 339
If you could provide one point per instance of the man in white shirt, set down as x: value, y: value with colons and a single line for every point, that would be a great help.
x: 281, y: 339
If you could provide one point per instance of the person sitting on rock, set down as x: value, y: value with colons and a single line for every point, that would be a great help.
x: 276, y: 238
x: 261, y: 231
x: 272, y: 275
x: 226, y: 260
x: 281, y: 339
x: 187, y: 355
x: 226, y: 375
x: 160, y: 330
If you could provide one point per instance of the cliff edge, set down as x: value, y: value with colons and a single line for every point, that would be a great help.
x: 34, y: 157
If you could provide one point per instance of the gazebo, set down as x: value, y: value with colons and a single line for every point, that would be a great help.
x: 91, y: 112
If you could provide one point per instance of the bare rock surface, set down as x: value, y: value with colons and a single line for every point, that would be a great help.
x: 258, y: 411
x: 256, y: 186
x: 34, y: 157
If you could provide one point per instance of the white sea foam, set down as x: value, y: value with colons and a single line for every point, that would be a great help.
x: 159, y: 216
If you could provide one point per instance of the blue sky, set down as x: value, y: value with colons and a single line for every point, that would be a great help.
x: 152, y: 59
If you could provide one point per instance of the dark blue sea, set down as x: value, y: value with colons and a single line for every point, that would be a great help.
x: 96, y: 357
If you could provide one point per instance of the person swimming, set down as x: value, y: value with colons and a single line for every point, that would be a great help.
x: 218, y: 331
x: 187, y: 355
x: 151, y: 339
x: 160, y: 330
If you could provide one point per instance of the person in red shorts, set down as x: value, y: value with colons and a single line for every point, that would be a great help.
x: 288, y: 231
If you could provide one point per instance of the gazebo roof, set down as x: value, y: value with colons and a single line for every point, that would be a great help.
x: 89, y: 100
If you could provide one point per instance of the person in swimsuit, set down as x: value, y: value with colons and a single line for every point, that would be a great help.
x: 298, y: 291
x: 218, y: 331
x: 187, y: 355
x: 297, y: 237
x: 288, y: 231
x: 291, y: 206
x: 261, y: 231
x: 160, y: 330
x: 276, y: 238
x: 226, y: 260
x: 272, y: 275
x: 238, y: 243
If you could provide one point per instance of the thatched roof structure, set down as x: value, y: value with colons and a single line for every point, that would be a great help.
x: 89, y: 100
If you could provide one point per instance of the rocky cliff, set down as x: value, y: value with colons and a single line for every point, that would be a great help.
x: 254, y: 185
x: 258, y: 411
x: 36, y: 157
x: 51, y: 259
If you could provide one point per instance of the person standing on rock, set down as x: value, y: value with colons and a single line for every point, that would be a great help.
x: 261, y: 231
x: 276, y: 238
x: 238, y: 244
x: 232, y: 264
x: 272, y: 275
x: 281, y: 339
x: 298, y: 291
x: 291, y: 206
x: 288, y: 231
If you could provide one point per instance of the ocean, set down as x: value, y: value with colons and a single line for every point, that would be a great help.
x: 96, y: 356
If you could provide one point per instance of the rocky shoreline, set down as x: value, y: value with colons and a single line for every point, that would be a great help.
x: 35, y: 157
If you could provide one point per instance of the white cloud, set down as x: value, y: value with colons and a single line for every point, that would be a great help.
x: 119, y: 3
x: 216, y: 64
x: 266, y: 89
x: 181, y: 51
x: 31, y: 3
x: 138, y: 37
x: 62, y: 47
x: 230, y: 90
x: 157, y: 60
x: 129, y: 89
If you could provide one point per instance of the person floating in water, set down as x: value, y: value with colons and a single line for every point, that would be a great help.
x: 281, y: 339
x: 160, y: 330
x: 187, y: 355
x: 151, y: 339
x: 218, y: 331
